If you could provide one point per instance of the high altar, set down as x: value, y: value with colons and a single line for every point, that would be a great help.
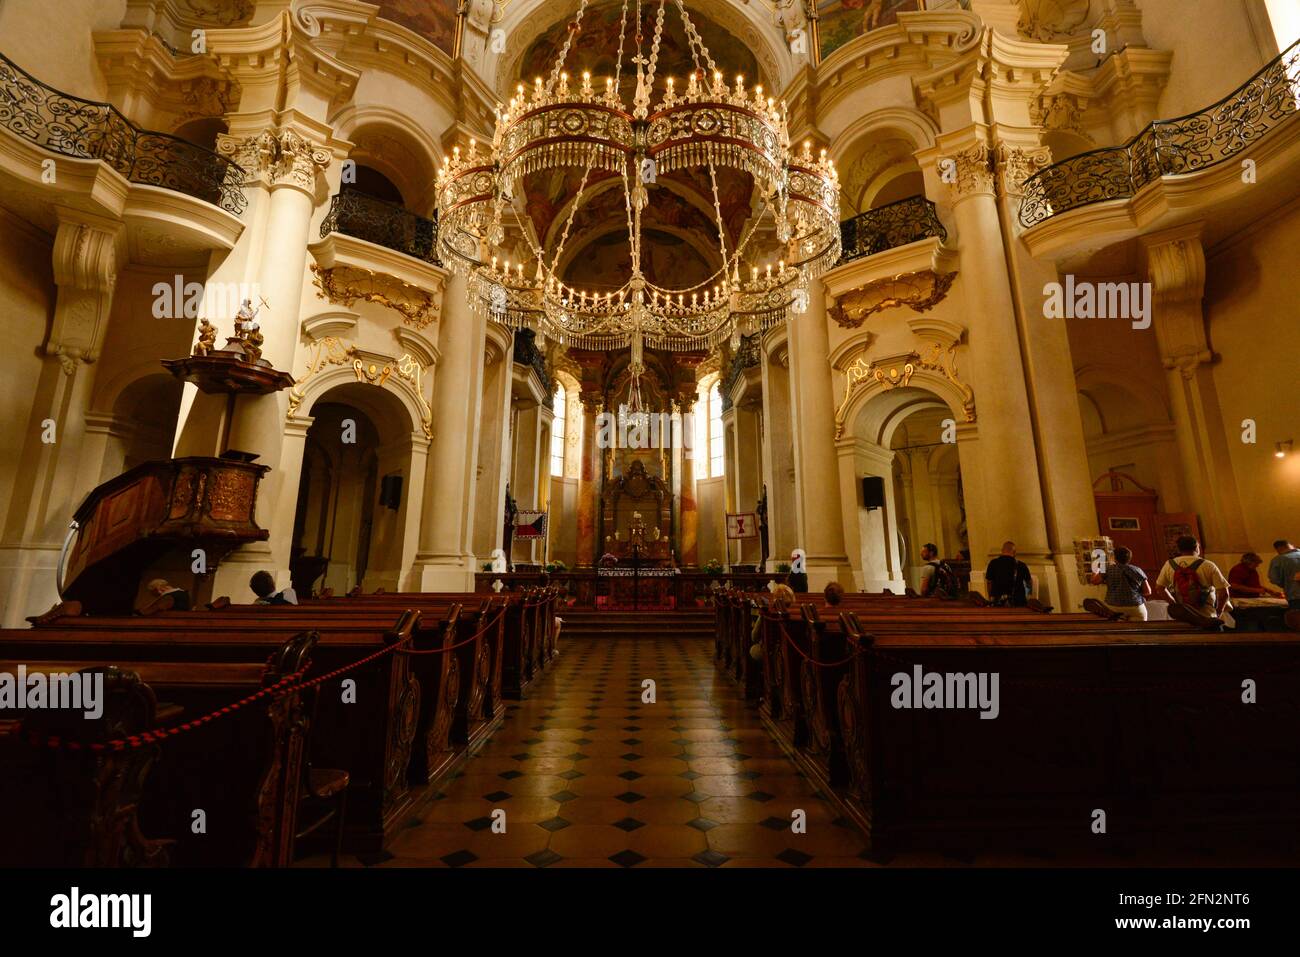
x: 637, y: 510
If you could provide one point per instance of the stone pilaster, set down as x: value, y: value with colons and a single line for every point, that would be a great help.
x: 1176, y: 267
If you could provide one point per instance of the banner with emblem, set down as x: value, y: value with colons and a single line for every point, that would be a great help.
x: 529, y: 524
x: 742, y: 525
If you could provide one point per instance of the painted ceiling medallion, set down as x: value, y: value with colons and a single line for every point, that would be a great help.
x: 919, y: 291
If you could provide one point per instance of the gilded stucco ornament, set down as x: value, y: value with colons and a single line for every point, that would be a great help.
x: 347, y: 285
x: 919, y: 291
x: 897, y: 373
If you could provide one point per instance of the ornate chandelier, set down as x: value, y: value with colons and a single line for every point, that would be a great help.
x: 584, y: 126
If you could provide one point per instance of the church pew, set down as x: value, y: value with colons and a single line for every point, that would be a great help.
x: 529, y: 632
x: 1147, y: 725
x: 460, y: 705
x: 805, y: 662
x: 243, y: 771
x: 371, y: 739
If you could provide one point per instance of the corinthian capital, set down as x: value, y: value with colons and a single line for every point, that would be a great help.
x: 277, y: 157
x: 1017, y: 164
x: 968, y: 172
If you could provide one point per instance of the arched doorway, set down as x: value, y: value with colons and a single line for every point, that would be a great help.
x: 145, y: 415
x: 903, y: 456
x: 353, y: 523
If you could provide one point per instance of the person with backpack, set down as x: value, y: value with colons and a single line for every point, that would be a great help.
x: 1127, y: 589
x: 1193, y: 582
x: 938, y: 580
x: 1008, y: 579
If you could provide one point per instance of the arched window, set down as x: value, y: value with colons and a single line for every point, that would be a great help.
x: 558, y: 431
x: 709, y: 452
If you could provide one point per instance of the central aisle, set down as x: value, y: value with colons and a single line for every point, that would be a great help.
x: 589, y: 775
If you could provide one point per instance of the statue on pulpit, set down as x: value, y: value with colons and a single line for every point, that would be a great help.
x: 207, y: 338
x: 248, y: 333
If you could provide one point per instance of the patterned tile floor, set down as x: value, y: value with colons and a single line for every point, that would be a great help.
x: 589, y: 776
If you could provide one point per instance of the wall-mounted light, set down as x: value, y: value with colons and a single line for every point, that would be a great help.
x: 1281, y: 449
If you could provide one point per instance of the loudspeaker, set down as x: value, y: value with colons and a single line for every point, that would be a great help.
x: 873, y: 492
x: 390, y: 491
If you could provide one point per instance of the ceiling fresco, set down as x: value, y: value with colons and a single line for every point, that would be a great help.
x: 597, y: 48
x: 548, y: 192
x: 435, y: 20
x: 839, y: 21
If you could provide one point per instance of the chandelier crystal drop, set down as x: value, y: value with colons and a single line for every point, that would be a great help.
x: 582, y: 125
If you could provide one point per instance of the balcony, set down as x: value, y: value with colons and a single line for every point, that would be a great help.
x: 1188, y: 144
x: 888, y: 227
x: 382, y: 223
x: 83, y: 129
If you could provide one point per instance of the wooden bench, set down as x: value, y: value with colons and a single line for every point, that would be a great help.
x: 1141, y: 720
x: 372, y: 739
x: 243, y: 771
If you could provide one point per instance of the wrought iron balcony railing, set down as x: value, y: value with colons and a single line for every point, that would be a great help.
x: 888, y: 227
x: 748, y: 355
x: 83, y: 129
x: 382, y: 223
x: 1169, y: 147
x: 527, y: 353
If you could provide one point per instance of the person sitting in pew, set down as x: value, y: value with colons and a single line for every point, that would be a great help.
x: 1127, y: 588
x: 1192, y: 582
x: 165, y: 597
x: 1243, y: 578
x: 1008, y: 579
x: 1284, y: 571
x: 263, y: 585
x: 834, y: 593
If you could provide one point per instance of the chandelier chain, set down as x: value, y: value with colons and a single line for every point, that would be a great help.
x: 695, y: 40
x: 573, y: 31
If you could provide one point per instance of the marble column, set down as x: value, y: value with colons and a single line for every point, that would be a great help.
x: 778, y: 464
x: 1007, y: 456
x: 1066, y: 480
x: 589, y: 550
x: 689, y: 545
x: 494, y: 444
x: 820, y: 519
x: 446, y: 561
x: 286, y: 171
x: 1176, y: 266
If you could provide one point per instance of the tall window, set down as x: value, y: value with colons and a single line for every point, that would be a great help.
x: 557, y: 432
x: 709, y: 452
